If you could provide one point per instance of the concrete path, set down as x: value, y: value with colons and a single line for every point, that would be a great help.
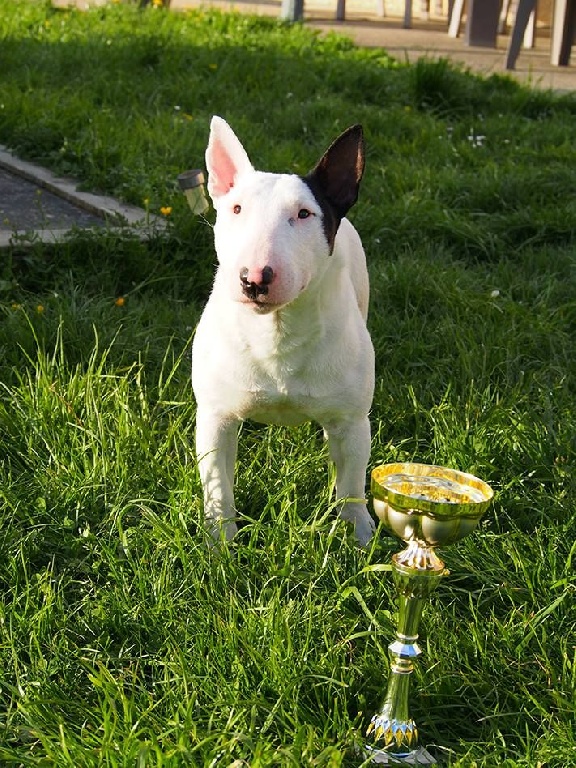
x: 26, y: 206
x: 38, y: 206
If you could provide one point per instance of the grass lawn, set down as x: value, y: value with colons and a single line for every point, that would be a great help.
x: 124, y: 639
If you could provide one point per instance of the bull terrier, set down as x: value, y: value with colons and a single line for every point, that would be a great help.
x: 283, y: 336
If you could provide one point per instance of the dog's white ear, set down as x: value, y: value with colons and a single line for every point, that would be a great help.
x: 338, y: 173
x: 226, y: 158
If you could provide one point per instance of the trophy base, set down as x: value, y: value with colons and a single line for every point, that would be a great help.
x: 419, y: 756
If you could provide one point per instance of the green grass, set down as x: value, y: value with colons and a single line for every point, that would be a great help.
x: 124, y: 639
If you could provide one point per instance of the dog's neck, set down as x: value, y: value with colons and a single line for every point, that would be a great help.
x: 301, y: 322
x: 288, y: 327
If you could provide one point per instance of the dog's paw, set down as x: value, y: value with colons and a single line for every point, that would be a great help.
x: 364, y: 526
x: 364, y: 530
x: 221, y: 529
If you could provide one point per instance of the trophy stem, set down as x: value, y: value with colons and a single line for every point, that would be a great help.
x: 392, y: 733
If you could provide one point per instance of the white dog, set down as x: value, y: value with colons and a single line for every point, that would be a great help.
x: 283, y: 337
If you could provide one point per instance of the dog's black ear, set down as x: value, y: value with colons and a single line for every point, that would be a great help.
x: 338, y: 173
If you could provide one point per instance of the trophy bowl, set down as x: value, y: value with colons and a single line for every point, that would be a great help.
x: 427, y: 506
x: 436, y: 505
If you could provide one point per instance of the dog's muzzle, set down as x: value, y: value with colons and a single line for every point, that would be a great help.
x: 252, y: 289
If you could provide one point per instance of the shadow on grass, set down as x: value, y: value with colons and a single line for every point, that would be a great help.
x: 121, y: 99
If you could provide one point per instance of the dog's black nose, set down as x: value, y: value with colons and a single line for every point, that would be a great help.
x: 267, y: 275
x: 252, y: 288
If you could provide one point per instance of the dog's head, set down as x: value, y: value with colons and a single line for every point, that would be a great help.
x: 275, y: 233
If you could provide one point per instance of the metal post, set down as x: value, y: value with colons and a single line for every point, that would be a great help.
x: 292, y: 10
x: 482, y: 23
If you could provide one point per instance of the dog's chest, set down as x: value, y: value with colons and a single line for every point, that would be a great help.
x: 279, y: 390
x: 283, y: 412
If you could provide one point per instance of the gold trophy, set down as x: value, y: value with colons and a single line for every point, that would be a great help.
x: 426, y: 506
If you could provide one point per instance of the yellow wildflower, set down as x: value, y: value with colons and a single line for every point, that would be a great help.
x: 166, y: 210
x: 120, y: 301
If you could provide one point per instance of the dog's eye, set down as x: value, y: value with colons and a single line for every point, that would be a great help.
x: 303, y: 213
x: 237, y: 208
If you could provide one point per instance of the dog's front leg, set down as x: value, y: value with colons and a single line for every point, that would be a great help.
x: 216, y: 448
x: 349, y: 444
